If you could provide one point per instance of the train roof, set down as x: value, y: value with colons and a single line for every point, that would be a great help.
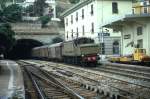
x: 57, y: 44
x: 81, y: 40
x: 48, y: 46
x: 45, y: 46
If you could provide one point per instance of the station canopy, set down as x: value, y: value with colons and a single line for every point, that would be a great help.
x: 119, y: 22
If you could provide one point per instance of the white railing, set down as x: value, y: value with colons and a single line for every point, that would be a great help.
x: 27, y: 18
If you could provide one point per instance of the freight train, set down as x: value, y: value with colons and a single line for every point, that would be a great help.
x: 81, y: 51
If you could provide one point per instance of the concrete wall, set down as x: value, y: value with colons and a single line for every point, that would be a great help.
x: 34, y: 31
x: 46, y: 39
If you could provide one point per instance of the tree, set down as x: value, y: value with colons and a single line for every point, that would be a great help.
x: 74, y: 1
x: 59, y: 10
x: 39, y: 6
x: 7, y: 39
x: 57, y: 40
x: 44, y: 20
x: 2, y: 3
x: 30, y: 10
x: 12, y: 13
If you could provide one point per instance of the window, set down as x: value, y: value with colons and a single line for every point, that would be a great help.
x: 83, y: 31
x: 139, y: 30
x: 133, y: 11
x: 72, y: 33
x: 128, y: 36
x: 66, y: 21
x: 83, y: 40
x: 145, y: 10
x: 102, y: 46
x: 76, y: 16
x: 92, y: 12
x: 82, y: 13
x: 77, y: 33
x: 92, y: 29
x: 71, y: 19
x: 140, y: 43
x: 115, y: 7
x: 67, y: 35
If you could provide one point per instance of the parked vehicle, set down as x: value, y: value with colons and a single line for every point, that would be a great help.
x: 79, y: 51
x: 139, y: 56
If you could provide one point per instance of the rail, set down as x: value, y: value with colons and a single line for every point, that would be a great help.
x: 73, y: 93
x: 55, y: 83
x: 39, y: 91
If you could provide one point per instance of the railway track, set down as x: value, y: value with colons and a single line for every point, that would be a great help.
x: 30, y: 91
x: 56, y: 88
x: 128, y: 72
x: 96, y: 80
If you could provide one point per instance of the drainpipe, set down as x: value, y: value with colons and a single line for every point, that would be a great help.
x: 148, y: 31
x: 122, y: 46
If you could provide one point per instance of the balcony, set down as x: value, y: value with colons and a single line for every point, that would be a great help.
x: 140, y: 8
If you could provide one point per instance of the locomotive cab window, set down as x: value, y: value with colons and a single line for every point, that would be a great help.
x: 83, y: 41
x: 142, y: 51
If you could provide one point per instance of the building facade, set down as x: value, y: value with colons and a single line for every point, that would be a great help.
x: 86, y: 18
x: 135, y: 28
x: 141, y: 7
x: 136, y: 35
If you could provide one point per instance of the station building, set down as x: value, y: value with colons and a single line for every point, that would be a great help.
x: 135, y: 28
x: 86, y: 18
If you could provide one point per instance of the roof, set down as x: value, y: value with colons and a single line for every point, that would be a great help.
x: 48, y: 46
x: 80, y: 5
x: 126, y: 18
x: 56, y: 44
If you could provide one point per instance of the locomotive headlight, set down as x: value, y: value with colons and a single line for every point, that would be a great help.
x: 82, y: 55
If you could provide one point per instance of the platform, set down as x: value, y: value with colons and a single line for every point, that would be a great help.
x: 11, y: 80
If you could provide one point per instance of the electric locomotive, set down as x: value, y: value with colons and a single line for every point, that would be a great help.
x: 81, y: 51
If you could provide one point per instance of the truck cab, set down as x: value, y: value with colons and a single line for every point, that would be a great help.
x: 139, y: 53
